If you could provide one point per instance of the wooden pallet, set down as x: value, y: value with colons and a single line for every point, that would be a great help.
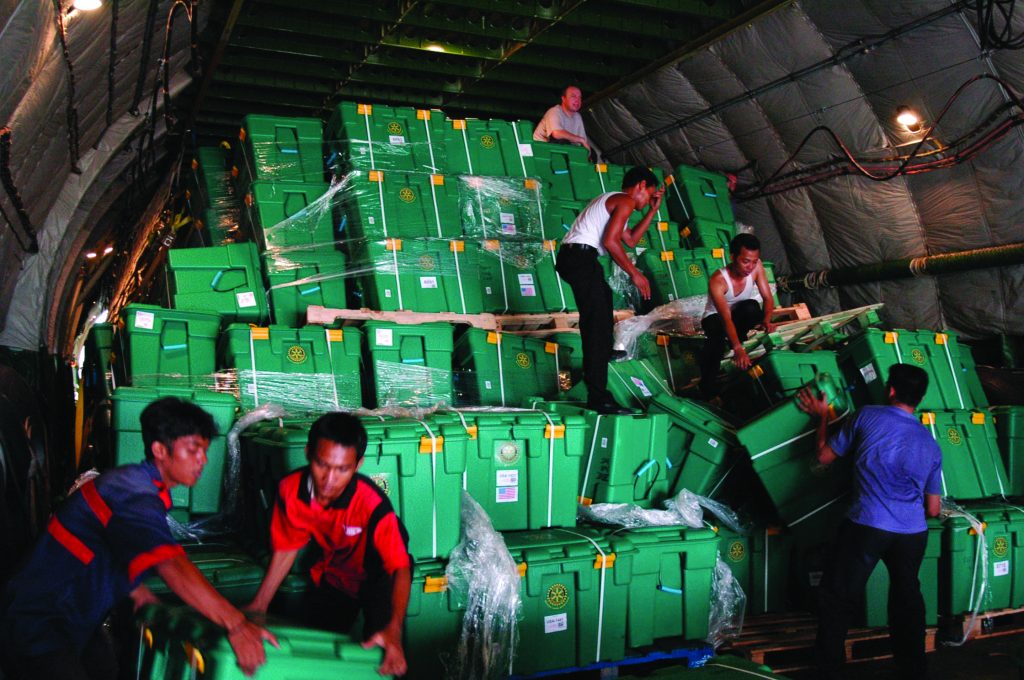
x: 797, y: 312
x: 993, y: 624
x: 785, y: 642
x: 546, y: 324
x: 324, y: 316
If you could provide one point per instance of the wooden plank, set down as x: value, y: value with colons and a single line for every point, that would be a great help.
x: 993, y: 624
x: 316, y: 314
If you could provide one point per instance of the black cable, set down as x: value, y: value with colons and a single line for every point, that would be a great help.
x: 147, y: 46
x: 72, y: 112
x: 991, y: 36
x: 112, y: 62
x: 854, y: 166
x: 12, y: 192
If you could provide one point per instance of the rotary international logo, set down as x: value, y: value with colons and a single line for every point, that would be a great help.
x: 382, y: 482
x: 407, y: 195
x: 918, y: 356
x: 426, y: 263
x: 296, y: 354
x: 737, y: 551
x: 523, y: 360
x: 557, y: 597
x: 394, y: 128
x: 508, y: 454
x: 694, y: 271
x: 1000, y: 547
x: 953, y: 436
x: 487, y: 141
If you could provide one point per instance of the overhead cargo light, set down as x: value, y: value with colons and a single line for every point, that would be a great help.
x: 909, y: 119
x: 90, y: 256
x: 434, y: 47
x: 108, y: 250
x: 87, y: 5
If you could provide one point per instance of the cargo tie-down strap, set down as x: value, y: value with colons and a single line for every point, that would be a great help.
x: 434, y: 450
x: 603, y: 562
x: 590, y: 459
x: 978, y: 592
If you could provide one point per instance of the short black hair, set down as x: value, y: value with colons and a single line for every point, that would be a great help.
x: 566, y: 88
x: 340, y: 428
x: 743, y: 240
x: 909, y: 383
x: 171, y: 418
x: 639, y: 174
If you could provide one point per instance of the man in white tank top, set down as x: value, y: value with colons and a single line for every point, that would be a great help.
x: 599, y: 229
x: 734, y: 307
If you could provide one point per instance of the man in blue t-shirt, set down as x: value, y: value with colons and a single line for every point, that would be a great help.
x: 897, y: 480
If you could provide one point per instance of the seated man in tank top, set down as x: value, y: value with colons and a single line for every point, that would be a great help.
x: 599, y: 229
x: 734, y: 307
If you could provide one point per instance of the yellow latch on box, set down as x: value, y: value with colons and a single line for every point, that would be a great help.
x: 583, y: 500
x: 258, y: 333
x: 458, y: 125
x: 531, y: 184
x: 974, y: 532
x: 241, y: 134
x: 335, y: 335
x: 662, y: 340
x: 667, y: 255
x: 941, y: 338
x: 755, y: 372
x: 977, y: 418
x: 890, y: 338
x: 364, y: 109
x: 376, y: 176
x: 604, y: 561
x: 551, y: 347
x: 457, y: 246
x: 393, y: 244
x: 431, y: 444
x: 437, y: 180
x: 435, y: 584
x: 718, y: 253
x: 521, y: 568
x: 492, y: 244
x: 927, y: 418
x: 472, y: 430
x: 559, y: 431
x: 601, y: 167
x: 550, y: 245
x: 662, y: 226
x: 493, y: 337
x: 669, y: 180
x: 422, y: 114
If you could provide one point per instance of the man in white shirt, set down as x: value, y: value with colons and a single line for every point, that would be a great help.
x: 601, y: 229
x: 563, y: 122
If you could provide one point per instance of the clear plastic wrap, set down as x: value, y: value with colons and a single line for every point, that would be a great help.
x: 728, y: 602
x: 404, y: 385
x: 227, y: 521
x: 684, y: 509
x: 980, y: 593
x: 483, y: 575
x: 679, y: 317
x: 500, y: 207
x: 212, y: 197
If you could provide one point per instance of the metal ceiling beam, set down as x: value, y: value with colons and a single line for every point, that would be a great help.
x: 725, y: 29
x: 240, y: 76
x: 283, y: 43
x: 375, y: 11
x: 674, y: 28
x: 493, y: 25
x: 215, y: 57
x: 446, y: 45
x: 570, y: 62
x: 618, y: 44
x: 427, y: 62
x: 722, y: 10
x: 277, y: 63
x: 272, y: 20
x: 548, y: 9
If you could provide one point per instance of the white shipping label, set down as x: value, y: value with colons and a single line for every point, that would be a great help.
x: 713, y: 443
x: 528, y: 291
x: 370, y: 219
x: 556, y: 623
x: 487, y: 385
x: 247, y: 299
x: 526, y: 150
x: 604, y: 442
x: 428, y: 282
x: 506, y: 218
x: 144, y: 320
x: 643, y: 387
x: 396, y: 139
x: 526, y: 279
x: 814, y: 578
x: 387, y: 292
x: 506, y: 494
x: 487, y: 289
x: 1001, y: 568
x: 385, y: 337
x: 251, y: 388
x: 508, y: 229
x: 508, y: 478
x: 869, y: 373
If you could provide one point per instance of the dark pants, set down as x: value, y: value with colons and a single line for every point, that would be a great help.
x: 330, y: 609
x: 96, y: 661
x: 580, y: 268
x: 857, y: 552
x: 745, y: 315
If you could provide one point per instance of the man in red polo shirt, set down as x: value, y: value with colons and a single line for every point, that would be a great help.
x: 365, y: 563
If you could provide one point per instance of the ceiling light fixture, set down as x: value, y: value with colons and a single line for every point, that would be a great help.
x: 434, y: 47
x: 87, y: 5
x: 90, y: 256
x: 108, y: 250
x: 908, y: 118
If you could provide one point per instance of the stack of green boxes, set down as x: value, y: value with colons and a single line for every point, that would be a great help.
x: 499, y: 369
x: 212, y: 198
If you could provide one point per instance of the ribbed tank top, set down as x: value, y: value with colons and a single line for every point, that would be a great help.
x: 749, y: 292
x: 588, y: 228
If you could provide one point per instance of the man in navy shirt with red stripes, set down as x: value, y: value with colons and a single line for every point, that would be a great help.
x: 897, y: 480
x: 365, y: 563
x: 100, y: 545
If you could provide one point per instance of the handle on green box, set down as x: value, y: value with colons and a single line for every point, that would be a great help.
x: 670, y: 590
x: 220, y: 274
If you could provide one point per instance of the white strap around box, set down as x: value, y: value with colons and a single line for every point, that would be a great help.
x: 433, y: 488
x: 600, y: 599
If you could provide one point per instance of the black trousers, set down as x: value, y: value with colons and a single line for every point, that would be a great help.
x: 580, y: 268
x: 857, y: 552
x: 745, y: 315
x: 330, y: 609
x: 97, y: 661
